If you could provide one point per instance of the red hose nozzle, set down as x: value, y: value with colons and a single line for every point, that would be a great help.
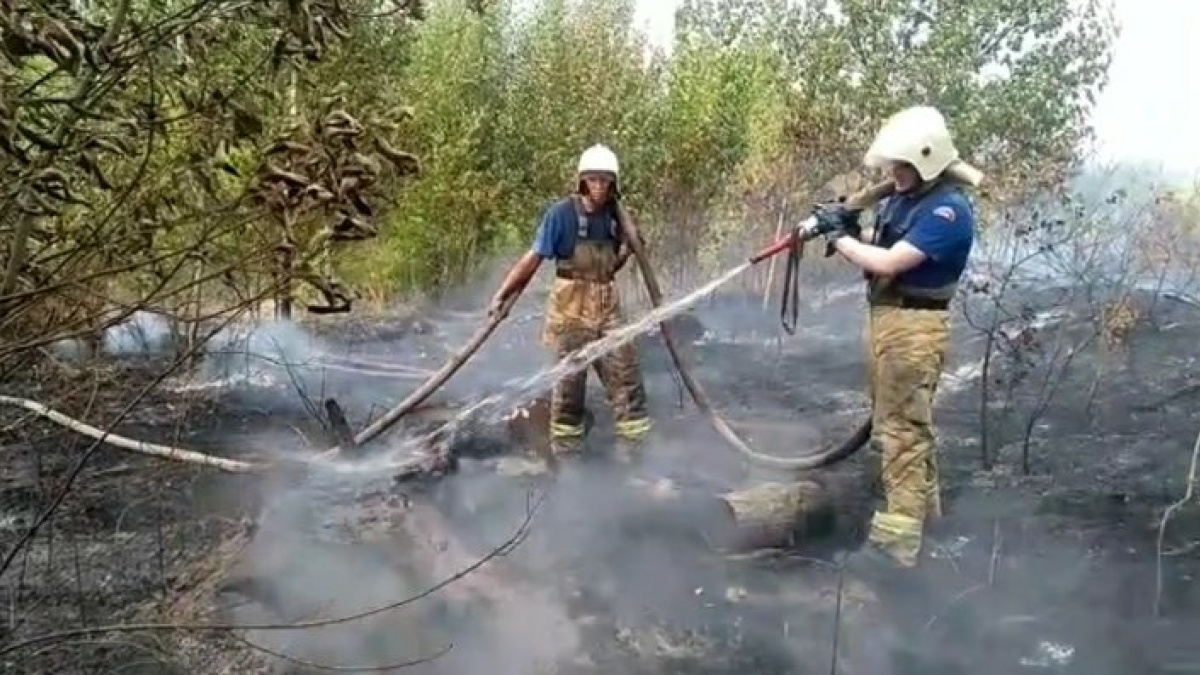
x: 803, y: 231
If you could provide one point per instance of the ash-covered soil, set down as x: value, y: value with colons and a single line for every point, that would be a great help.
x: 1056, y: 570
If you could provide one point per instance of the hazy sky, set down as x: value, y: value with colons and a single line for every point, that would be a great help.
x: 1151, y: 108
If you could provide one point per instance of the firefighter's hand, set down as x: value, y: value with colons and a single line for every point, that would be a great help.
x: 623, y: 257
x: 498, y: 307
x: 836, y: 220
x: 851, y: 230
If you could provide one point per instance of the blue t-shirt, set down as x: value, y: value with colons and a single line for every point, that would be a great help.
x: 943, y: 229
x: 555, y: 236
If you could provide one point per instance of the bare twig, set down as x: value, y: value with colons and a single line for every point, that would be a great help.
x: 400, y: 665
x: 1188, y: 493
x: 501, y: 550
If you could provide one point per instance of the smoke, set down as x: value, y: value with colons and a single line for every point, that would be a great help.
x: 618, y: 571
x: 617, y: 566
x: 144, y: 332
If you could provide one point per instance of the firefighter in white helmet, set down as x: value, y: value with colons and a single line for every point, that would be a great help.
x: 582, y: 235
x: 916, y: 254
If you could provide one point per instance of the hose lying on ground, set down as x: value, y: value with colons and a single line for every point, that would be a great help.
x: 700, y: 397
x: 863, y: 199
x: 435, y: 381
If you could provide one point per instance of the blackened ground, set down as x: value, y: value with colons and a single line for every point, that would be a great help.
x: 1054, y: 571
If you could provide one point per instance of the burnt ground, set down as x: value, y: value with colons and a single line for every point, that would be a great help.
x: 1054, y: 571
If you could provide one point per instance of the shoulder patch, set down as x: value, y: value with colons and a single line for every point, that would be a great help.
x: 946, y: 213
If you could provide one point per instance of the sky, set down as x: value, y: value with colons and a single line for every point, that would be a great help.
x: 1150, y: 111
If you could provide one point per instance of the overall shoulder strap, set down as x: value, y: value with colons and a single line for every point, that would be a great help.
x: 581, y: 219
x: 614, y: 221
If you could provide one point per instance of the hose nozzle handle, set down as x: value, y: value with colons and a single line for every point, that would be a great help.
x: 804, y: 231
x: 807, y: 228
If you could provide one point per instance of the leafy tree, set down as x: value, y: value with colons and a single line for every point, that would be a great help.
x: 141, y: 147
x: 1017, y: 78
x: 195, y: 142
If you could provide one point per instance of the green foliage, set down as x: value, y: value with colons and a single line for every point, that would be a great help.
x: 141, y: 150
x: 1017, y: 78
x: 757, y: 104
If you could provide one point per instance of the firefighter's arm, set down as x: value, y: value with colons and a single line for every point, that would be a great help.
x: 545, y: 245
x: 887, y: 262
x: 520, y: 274
x: 515, y: 281
x: 935, y: 234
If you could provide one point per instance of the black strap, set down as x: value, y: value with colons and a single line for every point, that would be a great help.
x: 910, y: 302
x: 789, y: 308
x: 581, y: 220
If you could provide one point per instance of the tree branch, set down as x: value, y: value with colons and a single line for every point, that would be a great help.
x: 141, y: 447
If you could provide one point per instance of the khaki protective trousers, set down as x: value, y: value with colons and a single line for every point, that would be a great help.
x: 579, y: 312
x: 907, y: 352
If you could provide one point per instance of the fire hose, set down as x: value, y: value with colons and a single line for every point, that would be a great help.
x: 435, y: 381
x: 700, y: 397
x: 792, y: 242
x: 823, y: 458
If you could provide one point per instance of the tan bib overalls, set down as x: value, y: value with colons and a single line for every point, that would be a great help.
x: 583, y: 306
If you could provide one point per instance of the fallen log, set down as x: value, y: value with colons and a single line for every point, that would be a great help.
x: 141, y: 447
x: 769, y: 515
x: 529, y: 426
x: 776, y: 515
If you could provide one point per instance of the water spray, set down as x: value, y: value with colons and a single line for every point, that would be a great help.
x: 698, y: 395
x: 791, y: 241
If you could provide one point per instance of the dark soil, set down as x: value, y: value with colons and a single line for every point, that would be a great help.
x: 1050, y: 571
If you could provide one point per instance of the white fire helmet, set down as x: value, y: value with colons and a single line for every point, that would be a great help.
x: 599, y: 159
x: 917, y: 135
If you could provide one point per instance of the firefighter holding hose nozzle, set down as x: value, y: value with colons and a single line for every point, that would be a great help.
x: 913, y: 259
x: 582, y: 234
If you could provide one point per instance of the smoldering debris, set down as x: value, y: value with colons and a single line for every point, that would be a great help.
x: 624, y: 568
x: 602, y: 579
x: 629, y: 568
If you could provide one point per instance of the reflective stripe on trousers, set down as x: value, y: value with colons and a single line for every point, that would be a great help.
x: 577, y: 313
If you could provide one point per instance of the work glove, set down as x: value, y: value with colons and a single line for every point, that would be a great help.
x: 836, y: 220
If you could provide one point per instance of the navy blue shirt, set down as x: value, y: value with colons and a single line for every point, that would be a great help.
x: 943, y: 229
x: 555, y: 236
